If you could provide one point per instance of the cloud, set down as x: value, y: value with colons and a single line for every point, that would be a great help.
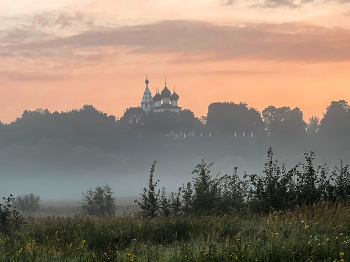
x: 29, y: 76
x: 17, y: 36
x: 44, y: 26
x: 61, y: 19
x: 293, y: 4
x: 232, y: 72
x: 193, y: 41
x: 229, y: 2
x: 279, y: 3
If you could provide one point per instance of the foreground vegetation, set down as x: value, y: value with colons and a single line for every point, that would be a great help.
x: 310, y: 233
x: 296, y: 215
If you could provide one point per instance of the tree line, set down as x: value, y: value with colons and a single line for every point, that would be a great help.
x: 90, y: 127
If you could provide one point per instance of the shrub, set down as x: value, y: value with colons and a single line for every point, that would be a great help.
x: 206, y: 190
x: 10, y: 218
x: 27, y: 203
x: 98, y: 202
x: 150, y: 202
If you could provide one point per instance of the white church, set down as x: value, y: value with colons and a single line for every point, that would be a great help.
x: 164, y: 101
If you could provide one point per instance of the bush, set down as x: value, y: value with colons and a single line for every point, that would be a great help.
x: 206, y: 190
x: 10, y: 218
x: 98, y: 202
x: 27, y: 203
x: 150, y: 202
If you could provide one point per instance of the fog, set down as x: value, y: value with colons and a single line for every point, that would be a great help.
x: 55, y: 170
x: 57, y: 156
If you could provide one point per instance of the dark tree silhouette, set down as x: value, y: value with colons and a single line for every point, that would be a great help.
x: 313, y: 125
x: 284, y: 122
x: 336, y: 120
x: 335, y: 127
x: 230, y: 118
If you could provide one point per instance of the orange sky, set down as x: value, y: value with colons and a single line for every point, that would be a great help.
x: 63, y: 55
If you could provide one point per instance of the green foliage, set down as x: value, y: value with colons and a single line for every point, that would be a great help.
x: 98, y: 202
x: 274, y: 189
x: 150, y: 202
x: 27, y: 203
x: 341, y: 176
x: 187, y: 198
x: 310, y: 233
x: 164, y: 203
x: 233, y: 192
x: 205, y: 190
x: 176, y: 202
x: 10, y: 218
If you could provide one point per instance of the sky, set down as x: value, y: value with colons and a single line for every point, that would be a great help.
x: 60, y: 55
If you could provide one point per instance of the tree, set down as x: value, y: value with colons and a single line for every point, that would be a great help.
x: 336, y: 120
x: 133, y: 117
x: 98, y: 202
x: 165, y: 203
x: 188, y: 122
x: 150, y: 202
x: 10, y: 219
x: 230, y: 118
x: 27, y: 203
x: 205, y: 190
x: 284, y: 122
x: 233, y: 191
x: 274, y: 189
x: 313, y: 125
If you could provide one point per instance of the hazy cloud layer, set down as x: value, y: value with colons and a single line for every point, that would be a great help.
x: 198, y: 41
x: 30, y: 76
x: 293, y: 3
x: 61, y: 19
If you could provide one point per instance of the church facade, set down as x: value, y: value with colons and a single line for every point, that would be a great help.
x: 164, y: 101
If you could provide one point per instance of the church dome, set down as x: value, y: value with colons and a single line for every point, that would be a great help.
x: 166, y: 92
x: 157, y: 97
x: 174, y: 96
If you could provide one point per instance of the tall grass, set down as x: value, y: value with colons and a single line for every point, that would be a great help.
x: 318, y: 232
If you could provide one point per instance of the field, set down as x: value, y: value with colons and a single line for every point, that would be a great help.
x: 61, y: 208
x: 310, y: 233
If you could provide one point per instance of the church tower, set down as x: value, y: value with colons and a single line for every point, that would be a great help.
x: 147, y: 99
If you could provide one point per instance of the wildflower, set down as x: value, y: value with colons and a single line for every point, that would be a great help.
x: 276, y: 234
x: 341, y: 254
x: 128, y: 255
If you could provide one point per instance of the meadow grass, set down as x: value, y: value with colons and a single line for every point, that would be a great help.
x: 309, y: 233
